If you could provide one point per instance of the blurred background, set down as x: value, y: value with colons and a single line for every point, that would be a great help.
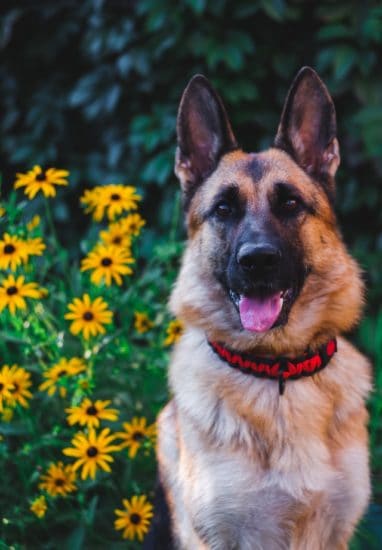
x: 94, y: 86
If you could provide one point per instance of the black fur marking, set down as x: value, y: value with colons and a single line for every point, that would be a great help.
x: 256, y: 168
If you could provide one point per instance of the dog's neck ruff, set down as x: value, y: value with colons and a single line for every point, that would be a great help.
x: 279, y: 368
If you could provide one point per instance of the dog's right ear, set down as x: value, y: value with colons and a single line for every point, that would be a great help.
x: 204, y: 133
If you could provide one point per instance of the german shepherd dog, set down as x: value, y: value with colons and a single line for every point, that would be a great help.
x: 264, y: 444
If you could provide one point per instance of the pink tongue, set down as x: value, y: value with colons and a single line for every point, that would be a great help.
x: 259, y: 314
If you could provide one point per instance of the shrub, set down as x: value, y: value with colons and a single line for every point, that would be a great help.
x: 83, y: 348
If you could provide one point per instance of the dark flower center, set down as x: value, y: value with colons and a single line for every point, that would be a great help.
x: 9, y: 249
x: 59, y: 482
x: 135, y: 518
x: 61, y: 373
x: 12, y: 290
x: 92, y: 451
x: 117, y: 240
x: 1, y: 386
x: 137, y: 436
x: 92, y: 411
x: 106, y: 262
x: 115, y: 197
x: 88, y: 316
x: 40, y: 177
x: 16, y: 387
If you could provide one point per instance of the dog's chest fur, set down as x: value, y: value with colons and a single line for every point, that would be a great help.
x: 257, y: 464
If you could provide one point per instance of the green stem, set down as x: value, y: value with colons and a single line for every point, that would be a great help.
x: 50, y: 222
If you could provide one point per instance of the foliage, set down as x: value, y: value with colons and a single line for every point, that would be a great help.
x: 63, y: 374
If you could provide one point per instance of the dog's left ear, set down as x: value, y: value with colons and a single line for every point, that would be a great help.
x: 308, y: 128
x: 204, y: 133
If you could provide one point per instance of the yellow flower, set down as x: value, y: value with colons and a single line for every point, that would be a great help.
x: 92, y: 451
x: 132, y: 224
x: 142, y: 323
x: 37, y: 180
x: 12, y: 252
x: 88, y: 317
x: 135, y: 518
x: 7, y: 415
x: 108, y: 263
x: 57, y: 375
x: 59, y: 480
x: 135, y: 434
x: 84, y: 384
x: 34, y: 246
x: 117, y: 236
x: 90, y: 413
x: 2, y: 211
x: 174, y: 331
x: 35, y: 222
x: 6, y: 388
x: 110, y: 200
x: 20, y: 380
x: 39, y: 507
x: 13, y: 291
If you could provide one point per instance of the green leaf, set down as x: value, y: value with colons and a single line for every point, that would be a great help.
x: 76, y: 539
x: 276, y: 9
x: 345, y: 58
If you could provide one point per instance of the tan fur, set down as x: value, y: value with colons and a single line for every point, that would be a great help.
x: 243, y: 467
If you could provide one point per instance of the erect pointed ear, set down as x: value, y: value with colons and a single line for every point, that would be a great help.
x: 308, y: 128
x: 204, y: 133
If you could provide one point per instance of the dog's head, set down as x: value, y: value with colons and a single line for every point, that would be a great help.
x: 265, y: 265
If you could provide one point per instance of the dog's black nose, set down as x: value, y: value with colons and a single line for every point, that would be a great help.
x: 259, y: 257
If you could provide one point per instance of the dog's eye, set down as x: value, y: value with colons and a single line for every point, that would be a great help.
x: 286, y: 201
x: 290, y: 205
x: 223, y: 210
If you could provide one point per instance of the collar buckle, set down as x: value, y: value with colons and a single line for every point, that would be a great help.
x: 283, y: 367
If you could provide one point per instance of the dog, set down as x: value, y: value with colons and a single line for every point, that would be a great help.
x: 264, y: 444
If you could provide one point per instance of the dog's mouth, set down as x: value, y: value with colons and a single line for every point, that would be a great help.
x: 262, y: 312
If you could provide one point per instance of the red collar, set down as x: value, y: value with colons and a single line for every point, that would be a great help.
x: 280, y: 368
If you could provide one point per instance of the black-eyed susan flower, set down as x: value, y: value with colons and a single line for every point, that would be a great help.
x: 34, y: 222
x: 135, y: 434
x: 59, y: 480
x: 89, y: 413
x: 13, y: 292
x: 134, y: 519
x: 174, y: 331
x: 132, y: 224
x: 110, y: 200
x: 142, y: 322
x: 56, y: 377
x: 88, y: 317
x: 117, y: 236
x: 6, y: 387
x: 92, y: 451
x: 13, y: 252
x: 34, y: 247
x: 21, y: 382
x: 36, y: 180
x: 39, y: 506
x: 108, y: 263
